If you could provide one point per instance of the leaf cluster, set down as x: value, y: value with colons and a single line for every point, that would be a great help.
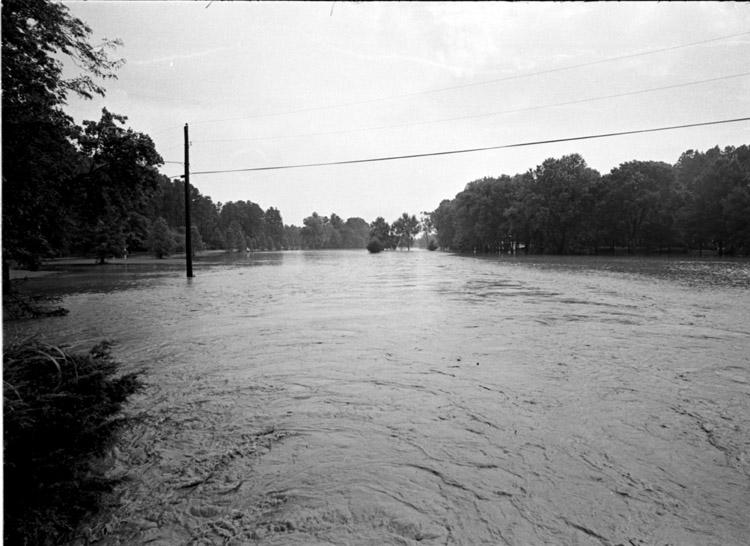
x: 36, y: 34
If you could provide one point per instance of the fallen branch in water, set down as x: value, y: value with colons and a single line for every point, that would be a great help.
x: 60, y: 415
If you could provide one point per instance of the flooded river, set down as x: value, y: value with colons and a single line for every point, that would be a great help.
x: 424, y: 398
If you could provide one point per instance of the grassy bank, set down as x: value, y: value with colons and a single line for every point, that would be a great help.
x: 61, y: 413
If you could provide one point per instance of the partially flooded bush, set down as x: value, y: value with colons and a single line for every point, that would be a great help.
x: 375, y: 246
x: 60, y: 415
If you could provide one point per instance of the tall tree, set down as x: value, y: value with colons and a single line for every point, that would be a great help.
x: 405, y: 228
x: 118, y: 175
x: 292, y: 237
x: 442, y: 220
x: 313, y: 232
x: 636, y: 204
x: 355, y: 233
x: 161, y: 241
x: 249, y: 217
x: 715, y: 187
x: 380, y: 230
x: 274, y: 227
x: 235, y: 237
x: 39, y: 158
x: 479, y: 215
x: 334, y: 236
x: 561, y: 199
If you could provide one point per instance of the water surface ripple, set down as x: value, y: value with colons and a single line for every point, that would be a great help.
x: 424, y: 398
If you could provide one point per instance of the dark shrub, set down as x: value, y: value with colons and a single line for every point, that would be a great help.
x: 60, y: 415
x: 375, y: 246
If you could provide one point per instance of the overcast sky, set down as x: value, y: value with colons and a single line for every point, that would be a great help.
x: 268, y: 83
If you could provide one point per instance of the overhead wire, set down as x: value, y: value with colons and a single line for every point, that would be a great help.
x: 480, y: 149
x: 479, y: 83
x: 484, y: 114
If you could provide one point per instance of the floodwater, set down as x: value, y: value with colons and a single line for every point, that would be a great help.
x: 425, y: 398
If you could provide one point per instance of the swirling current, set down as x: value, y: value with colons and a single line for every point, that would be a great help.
x: 337, y: 397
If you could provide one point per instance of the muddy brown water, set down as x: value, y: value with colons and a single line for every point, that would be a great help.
x: 424, y: 398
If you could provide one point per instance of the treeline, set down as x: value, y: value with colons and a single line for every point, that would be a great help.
x: 563, y: 206
x: 241, y: 225
x: 235, y: 225
x: 94, y: 189
x: 320, y: 232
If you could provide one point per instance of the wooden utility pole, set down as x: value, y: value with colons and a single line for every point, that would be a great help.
x: 188, y: 242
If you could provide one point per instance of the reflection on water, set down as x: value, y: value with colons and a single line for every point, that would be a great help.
x: 416, y: 397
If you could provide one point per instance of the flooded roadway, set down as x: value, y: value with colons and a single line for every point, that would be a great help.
x: 423, y: 398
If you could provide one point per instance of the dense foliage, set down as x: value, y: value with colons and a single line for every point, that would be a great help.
x: 66, y: 188
x: 399, y: 234
x: 563, y: 206
x: 59, y: 414
x: 375, y: 246
x: 324, y: 232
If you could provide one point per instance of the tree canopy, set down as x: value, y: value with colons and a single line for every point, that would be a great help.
x: 405, y: 228
x: 563, y: 206
x: 40, y: 157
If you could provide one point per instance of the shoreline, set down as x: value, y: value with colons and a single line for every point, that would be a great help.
x: 57, y: 265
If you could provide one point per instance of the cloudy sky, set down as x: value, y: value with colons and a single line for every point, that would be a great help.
x: 264, y: 84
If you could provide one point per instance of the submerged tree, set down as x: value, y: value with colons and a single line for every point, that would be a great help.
x: 107, y: 238
x: 405, y: 229
x: 274, y: 229
x: 355, y: 233
x: 716, y: 195
x: 374, y: 246
x: 380, y: 230
x: 313, y: 232
x: 161, y: 241
x: 637, y: 204
x: 561, y: 200
x: 442, y: 222
x: 196, y: 241
x: 235, y: 237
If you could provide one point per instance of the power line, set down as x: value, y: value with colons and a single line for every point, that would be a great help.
x: 484, y: 82
x: 468, y: 150
x: 485, y: 114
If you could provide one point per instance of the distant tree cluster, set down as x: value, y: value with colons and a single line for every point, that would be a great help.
x: 233, y: 226
x: 397, y: 235
x: 563, y: 206
x: 323, y: 232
